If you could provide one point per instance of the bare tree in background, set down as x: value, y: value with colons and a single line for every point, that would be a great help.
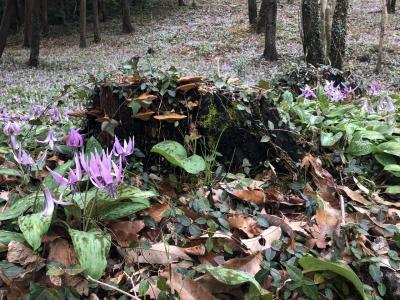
x: 252, y: 6
x: 312, y: 45
x: 82, y: 24
x: 96, y: 22
x: 261, y: 17
x: 45, y: 17
x: 270, y: 52
x: 126, y: 17
x: 391, y: 6
x: 8, y: 15
x: 338, y: 34
x: 378, y: 68
x: 27, y: 22
x: 35, y: 36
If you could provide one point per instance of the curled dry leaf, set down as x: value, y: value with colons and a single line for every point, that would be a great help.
x: 61, y: 251
x: 249, y: 264
x: 156, y: 211
x: 189, y: 79
x: 357, y: 197
x: 146, y: 97
x: 125, y: 232
x: 144, y: 116
x: 246, y: 224
x: 253, y: 196
x: 328, y: 219
x: 159, y: 253
x: 195, y: 250
x: 170, y: 117
x: 187, y: 288
x: 186, y: 87
x: 21, y: 254
x: 264, y: 240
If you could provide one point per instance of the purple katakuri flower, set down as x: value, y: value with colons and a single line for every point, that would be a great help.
x: 307, y: 92
x: 11, y: 129
x: 123, y: 151
x: 23, y: 158
x: 367, y: 107
x: 374, y: 89
x: 49, y: 202
x: 50, y: 139
x: 385, y: 105
x: 74, y: 139
x: 103, y: 172
x: 73, y: 176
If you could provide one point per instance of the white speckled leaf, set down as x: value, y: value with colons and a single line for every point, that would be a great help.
x: 33, y: 228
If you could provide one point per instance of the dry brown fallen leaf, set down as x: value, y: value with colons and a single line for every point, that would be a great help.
x: 253, y: 196
x: 61, y: 251
x: 328, y: 219
x: 195, y: 250
x: 249, y: 264
x: 187, y: 288
x: 146, y: 97
x: 246, y: 224
x: 125, y: 232
x: 158, y: 254
x: 21, y: 254
x: 357, y: 197
x: 189, y: 79
x: 170, y: 117
x: 144, y: 116
x: 264, y: 240
x: 156, y: 211
x: 186, y: 87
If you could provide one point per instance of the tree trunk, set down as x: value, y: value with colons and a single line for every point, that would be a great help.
x: 102, y: 9
x: 312, y: 46
x: 381, y: 38
x: 270, y: 52
x: 82, y: 24
x: 35, y: 36
x: 126, y: 17
x: 45, y: 17
x: 261, y: 17
x: 8, y: 14
x: 338, y: 34
x: 28, y: 23
x: 181, y: 2
x: 252, y: 6
x: 96, y: 23
x: 391, y: 6
x: 19, y: 7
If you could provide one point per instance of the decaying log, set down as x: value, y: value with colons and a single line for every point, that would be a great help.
x: 194, y: 111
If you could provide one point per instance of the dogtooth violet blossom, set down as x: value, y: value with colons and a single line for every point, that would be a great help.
x: 123, y: 151
x: 307, y: 92
x: 49, y: 202
x: 74, y: 139
x: 333, y: 92
x: 385, y: 105
x: 73, y: 176
x: 374, y: 89
x: 367, y: 107
x: 11, y: 129
x: 103, y: 172
x: 50, y: 139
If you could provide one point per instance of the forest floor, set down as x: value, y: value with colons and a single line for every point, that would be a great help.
x: 213, y: 36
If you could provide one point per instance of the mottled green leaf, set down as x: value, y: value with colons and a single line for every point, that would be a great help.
x: 33, y: 227
x: 11, y: 172
x: 394, y: 189
x: 91, y: 249
x: 21, y: 205
x: 328, y: 139
x: 385, y: 159
x: 360, y: 148
x: 390, y: 148
x: 7, y: 236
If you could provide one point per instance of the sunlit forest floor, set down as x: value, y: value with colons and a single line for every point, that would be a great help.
x: 214, y: 36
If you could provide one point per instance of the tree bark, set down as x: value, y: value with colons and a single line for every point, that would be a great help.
x: 391, y: 6
x: 312, y: 46
x: 45, y: 17
x: 127, y: 26
x: 381, y: 38
x: 82, y: 24
x: 181, y: 2
x: 338, y: 34
x: 27, y: 23
x: 261, y: 17
x: 96, y: 23
x: 8, y: 13
x: 252, y: 6
x: 35, y: 36
x: 270, y: 52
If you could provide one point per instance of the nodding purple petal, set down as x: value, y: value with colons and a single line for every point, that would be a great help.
x: 307, y: 92
x: 374, y: 89
x: 390, y: 105
x: 57, y: 177
x: 74, y: 139
x: 11, y: 128
x: 123, y: 151
x: 50, y: 139
x: 49, y: 202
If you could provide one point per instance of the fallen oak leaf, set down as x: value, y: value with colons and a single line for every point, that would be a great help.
x: 61, y: 251
x: 249, y: 264
x: 125, y: 232
x: 156, y: 211
x: 357, y: 197
x: 246, y: 224
x: 264, y: 240
x: 252, y: 196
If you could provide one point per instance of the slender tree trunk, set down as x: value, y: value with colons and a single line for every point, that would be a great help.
x: 19, y: 7
x: 45, y: 17
x: 391, y: 6
x: 126, y: 17
x: 312, y: 46
x: 82, y: 24
x: 28, y: 22
x: 102, y: 9
x: 261, y: 17
x: 8, y: 14
x: 270, y: 52
x: 252, y: 6
x: 35, y: 37
x: 378, y: 68
x: 96, y: 23
x: 181, y: 2
x: 338, y: 34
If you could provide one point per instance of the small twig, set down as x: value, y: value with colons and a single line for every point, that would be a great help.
x: 342, y: 210
x: 113, y: 288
